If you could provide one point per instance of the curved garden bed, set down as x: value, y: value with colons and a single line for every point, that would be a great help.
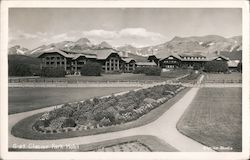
x: 109, y: 114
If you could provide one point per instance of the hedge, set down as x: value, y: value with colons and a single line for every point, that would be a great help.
x: 239, y: 67
x: 150, y: 71
x: 91, y: 69
x: 16, y: 69
x: 153, y: 71
x: 53, y: 72
x: 216, y: 66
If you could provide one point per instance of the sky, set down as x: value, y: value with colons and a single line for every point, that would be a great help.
x: 33, y: 27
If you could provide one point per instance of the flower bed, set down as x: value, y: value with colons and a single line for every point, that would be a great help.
x: 132, y: 146
x: 105, y: 111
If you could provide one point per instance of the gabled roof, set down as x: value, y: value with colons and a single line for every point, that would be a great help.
x: 77, y: 54
x: 191, y: 56
x: 213, y: 56
x: 195, y: 54
x: 89, y: 53
x: 171, y: 55
x: 102, y: 53
x: 55, y: 50
x: 83, y: 55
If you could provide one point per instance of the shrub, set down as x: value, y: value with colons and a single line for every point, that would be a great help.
x: 98, y: 116
x: 57, y: 123
x: 149, y: 100
x: 61, y: 112
x: 216, y: 66
x: 91, y: 69
x: 184, y: 66
x: 197, y: 66
x: 150, y: 71
x: 19, y: 70
x: 79, y: 115
x: 153, y: 71
x: 53, y: 72
x: 68, y: 123
x: 139, y: 70
x: 239, y: 67
x: 38, y: 124
x: 105, y: 122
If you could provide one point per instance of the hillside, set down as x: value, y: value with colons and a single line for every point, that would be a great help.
x: 22, y: 65
x: 209, y: 43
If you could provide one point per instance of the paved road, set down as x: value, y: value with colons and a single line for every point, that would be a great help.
x: 163, y: 128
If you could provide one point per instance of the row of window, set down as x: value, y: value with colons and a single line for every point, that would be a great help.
x: 52, y: 63
x: 51, y: 58
x: 194, y: 57
x: 168, y: 61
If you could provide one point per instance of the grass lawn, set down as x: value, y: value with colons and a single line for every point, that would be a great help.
x: 26, y: 99
x: 146, y: 142
x: 234, y: 77
x: 105, y: 77
x: 215, y: 118
x: 24, y: 127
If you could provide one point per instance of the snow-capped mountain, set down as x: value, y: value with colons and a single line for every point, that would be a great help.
x: 207, y: 44
x: 79, y: 45
x: 103, y: 45
x: 17, y: 49
x: 128, y: 48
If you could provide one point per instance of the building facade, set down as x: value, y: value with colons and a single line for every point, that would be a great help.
x: 186, y: 60
x: 110, y: 60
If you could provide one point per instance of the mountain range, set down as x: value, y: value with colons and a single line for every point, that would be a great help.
x: 209, y: 43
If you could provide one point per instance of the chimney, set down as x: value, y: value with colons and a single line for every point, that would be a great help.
x: 218, y: 52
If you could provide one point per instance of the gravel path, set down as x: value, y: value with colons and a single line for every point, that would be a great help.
x: 163, y: 128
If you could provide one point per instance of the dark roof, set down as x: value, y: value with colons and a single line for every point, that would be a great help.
x: 192, y: 56
x: 89, y: 53
x: 55, y: 50
x: 146, y: 63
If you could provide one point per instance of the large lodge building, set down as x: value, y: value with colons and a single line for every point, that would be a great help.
x: 110, y: 59
x: 189, y: 60
x: 116, y: 61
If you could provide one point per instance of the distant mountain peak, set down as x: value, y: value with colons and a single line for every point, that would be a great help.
x: 83, y: 40
x: 17, y: 49
x: 104, y: 44
x: 177, y: 38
